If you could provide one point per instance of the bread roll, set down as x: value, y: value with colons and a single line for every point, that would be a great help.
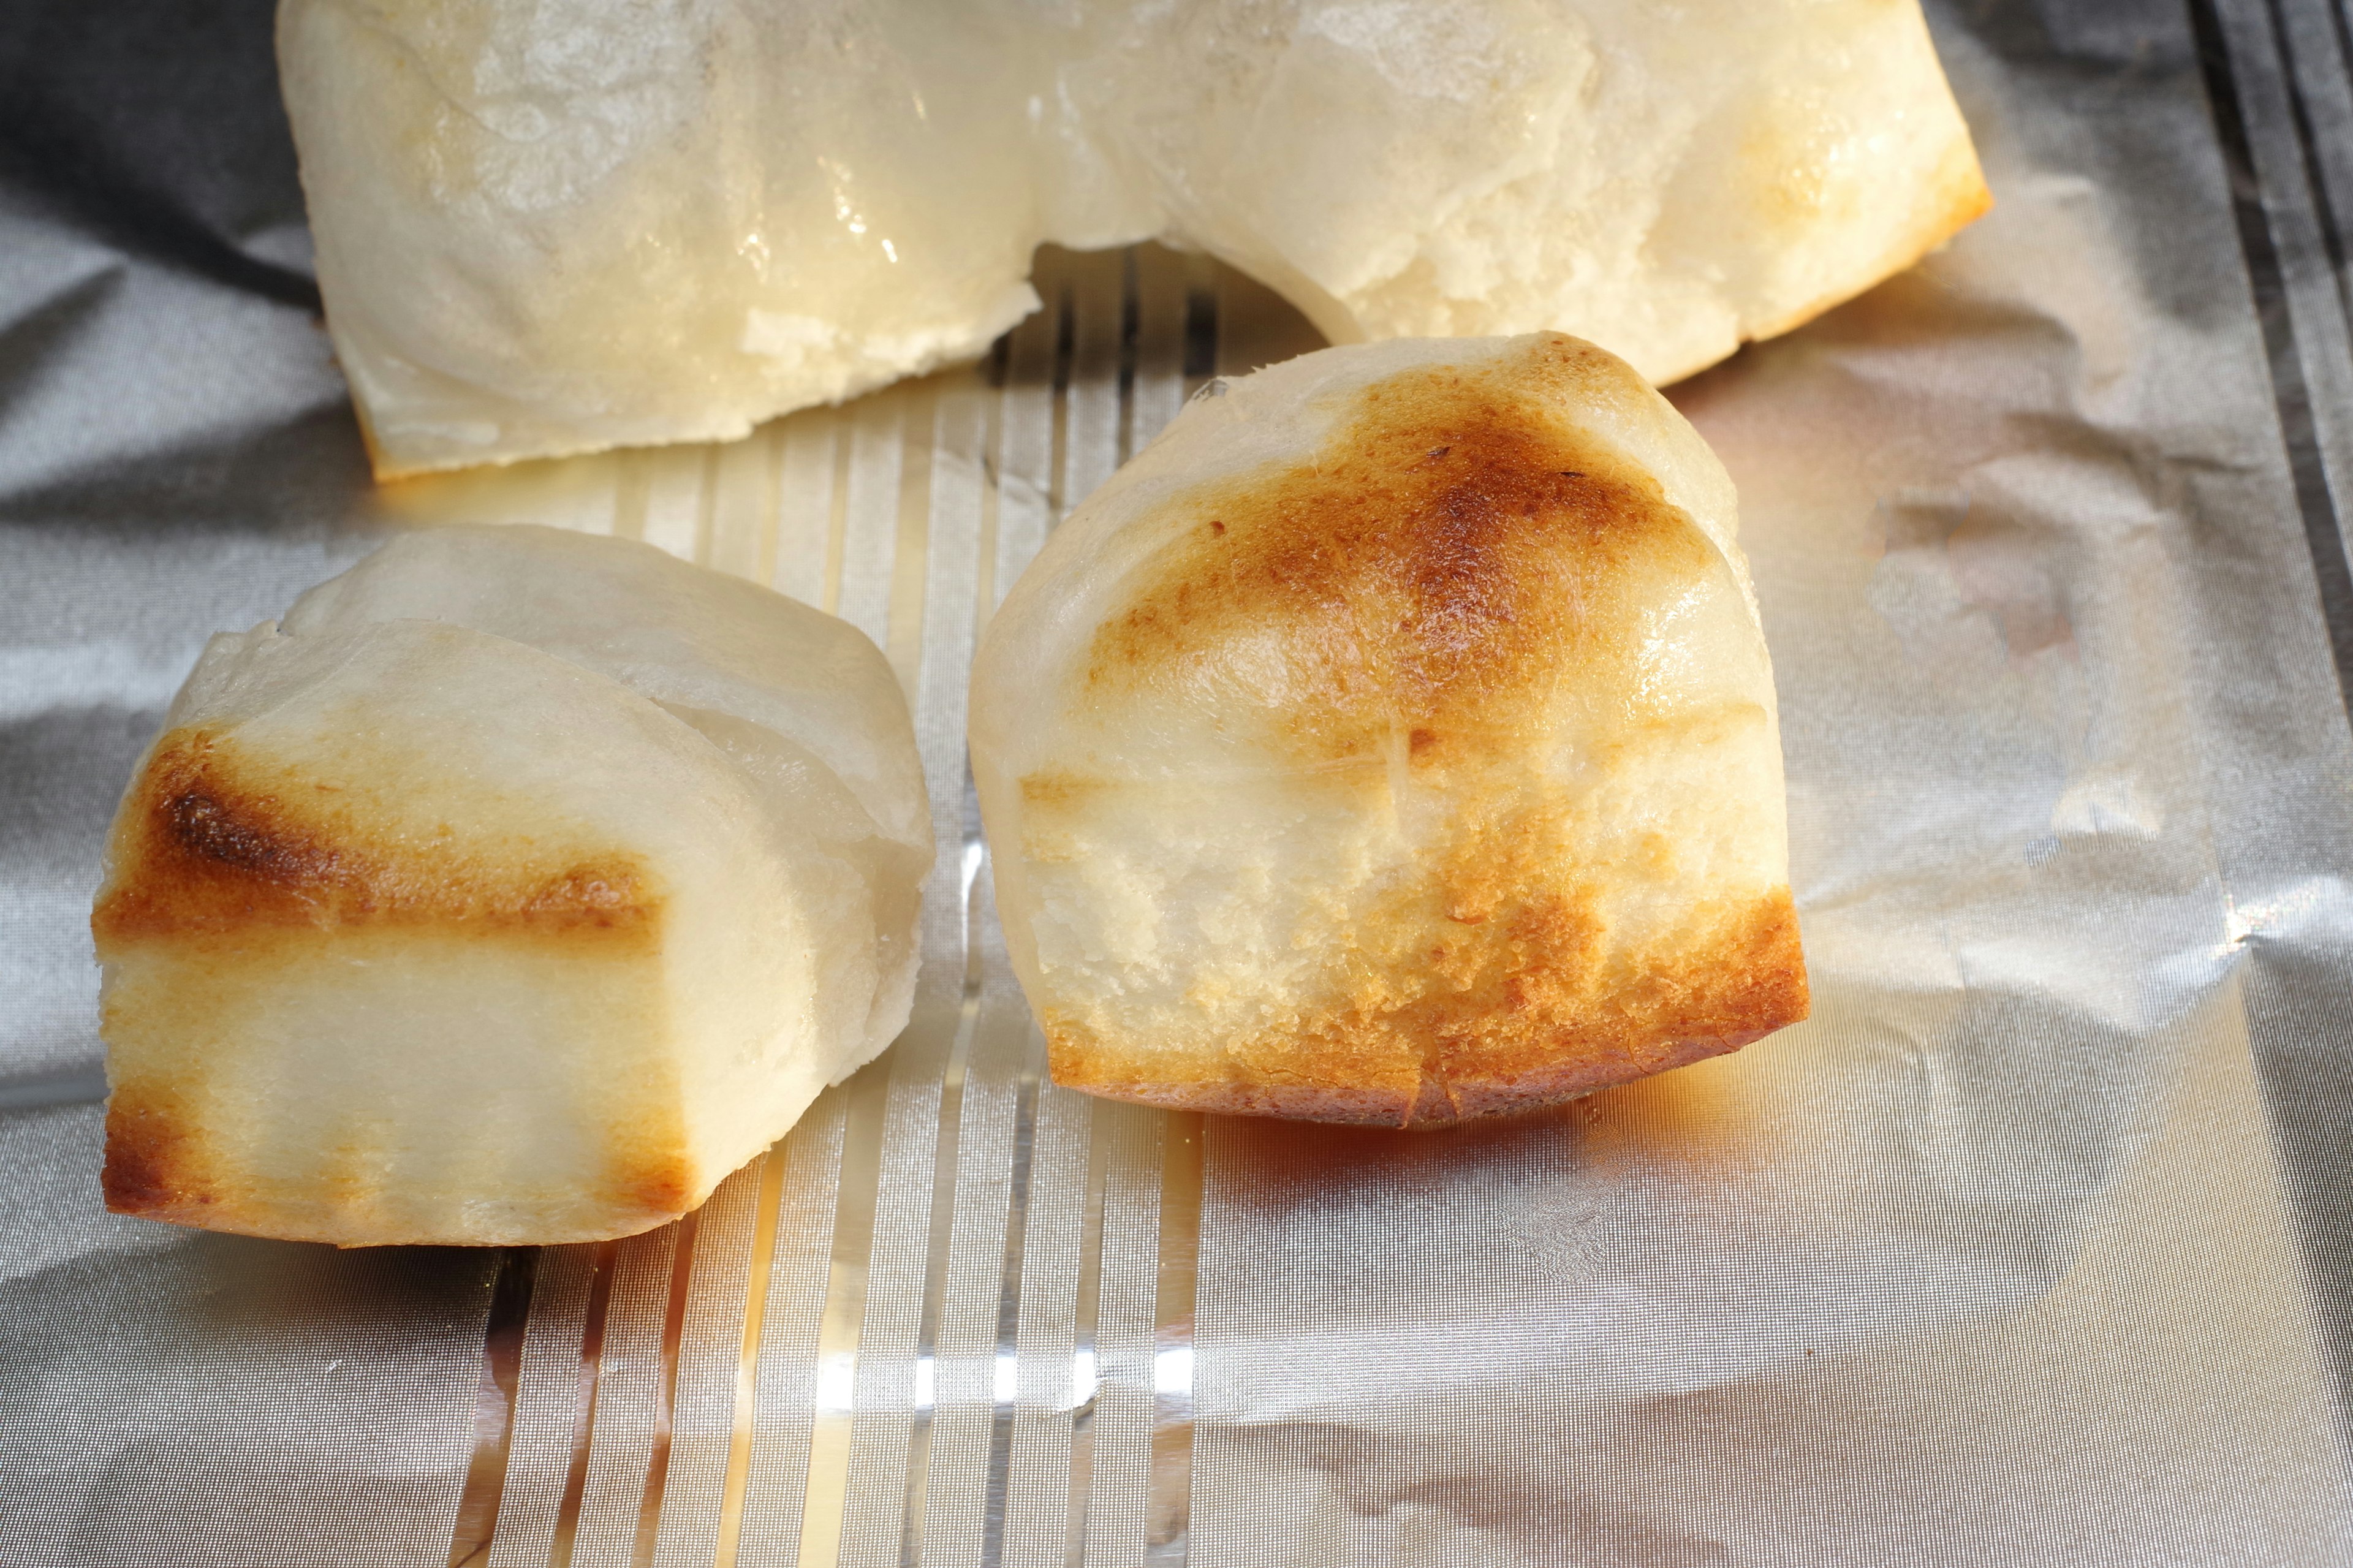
x: 516, y: 888
x: 558, y: 227
x: 1393, y: 741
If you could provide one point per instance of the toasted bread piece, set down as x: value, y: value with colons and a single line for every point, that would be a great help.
x: 1393, y: 741
x: 516, y: 889
x: 552, y: 229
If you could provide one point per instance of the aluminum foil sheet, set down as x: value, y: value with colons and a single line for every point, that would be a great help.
x: 2035, y: 1245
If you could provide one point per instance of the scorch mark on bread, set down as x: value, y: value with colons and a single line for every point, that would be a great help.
x: 223, y: 842
x: 1451, y: 555
x: 151, y: 1170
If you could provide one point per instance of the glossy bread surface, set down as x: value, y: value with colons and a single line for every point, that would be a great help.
x: 561, y: 227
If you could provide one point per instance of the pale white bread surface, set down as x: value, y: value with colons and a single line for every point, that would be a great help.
x: 563, y: 227
x: 580, y: 224
x: 516, y: 888
x: 1393, y: 740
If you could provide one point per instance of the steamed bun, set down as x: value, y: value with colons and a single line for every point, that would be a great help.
x: 516, y: 888
x: 1393, y: 741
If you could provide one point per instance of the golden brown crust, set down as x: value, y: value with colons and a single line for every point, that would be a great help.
x: 1530, y: 1036
x: 213, y: 840
x: 152, y: 1167
x: 1453, y: 549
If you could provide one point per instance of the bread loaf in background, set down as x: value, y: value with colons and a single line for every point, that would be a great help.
x: 559, y: 227
x: 516, y: 888
x: 1393, y: 741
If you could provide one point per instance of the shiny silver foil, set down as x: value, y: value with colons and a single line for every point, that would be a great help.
x: 2034, y: 1245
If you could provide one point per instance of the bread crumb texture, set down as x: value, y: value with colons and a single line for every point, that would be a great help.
x: 1486, y: 810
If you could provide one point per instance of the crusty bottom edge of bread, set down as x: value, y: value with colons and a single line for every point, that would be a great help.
x: 157, y: 1169
x: 1434, y: 1101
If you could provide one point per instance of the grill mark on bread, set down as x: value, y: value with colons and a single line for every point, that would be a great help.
x: 213, y: 840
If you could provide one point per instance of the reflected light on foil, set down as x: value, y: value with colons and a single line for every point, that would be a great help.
x: 837, y: 1380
